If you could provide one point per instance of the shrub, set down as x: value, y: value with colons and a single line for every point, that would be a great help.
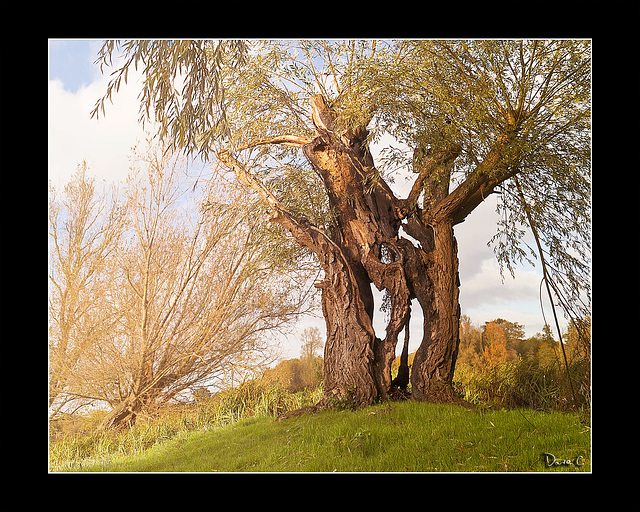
x: 297, y: 374
x: 525, y: 383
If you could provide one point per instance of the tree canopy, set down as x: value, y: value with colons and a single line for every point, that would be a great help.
x: 209, y: 96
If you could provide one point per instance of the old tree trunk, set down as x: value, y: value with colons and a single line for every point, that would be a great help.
x: 367, y: 246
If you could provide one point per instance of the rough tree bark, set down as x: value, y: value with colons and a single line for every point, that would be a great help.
x: 365, y: 246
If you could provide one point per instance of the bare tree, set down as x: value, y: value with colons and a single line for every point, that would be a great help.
x: 195, y: 292
x: 187, y: 296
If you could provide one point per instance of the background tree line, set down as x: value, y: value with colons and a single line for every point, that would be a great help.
x: 305, y: 371
x: 499, y: 341
x: 161, y: 287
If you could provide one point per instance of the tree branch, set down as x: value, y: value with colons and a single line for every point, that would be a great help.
x: 249, y: 180
x: 428, y: 168
x: 302, y: 230
x: 287, y: 140
x: 492, y: 171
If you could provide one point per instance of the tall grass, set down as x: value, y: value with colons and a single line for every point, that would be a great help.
x: 525, y: 383
x: 254, y: 398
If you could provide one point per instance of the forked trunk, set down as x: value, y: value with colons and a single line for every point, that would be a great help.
x: 123, y: 415
x: 367, y: 248
x: 367, y: 245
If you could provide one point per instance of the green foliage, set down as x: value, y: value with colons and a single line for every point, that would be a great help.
x: 297, y: 374
x: 180, y: 112
x: 530, y: 374
x: 306, y: 372
x: 578, y: 339
x: 70, y: 424
x: 428, y: 94
x: 476, y: 342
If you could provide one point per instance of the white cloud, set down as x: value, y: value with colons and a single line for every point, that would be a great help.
x: 473, y: 235
x: 485, y: 297
x: 487, y: 287
x: 105, y: 143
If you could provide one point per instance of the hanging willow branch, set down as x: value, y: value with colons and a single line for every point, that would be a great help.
x: 545, y: 276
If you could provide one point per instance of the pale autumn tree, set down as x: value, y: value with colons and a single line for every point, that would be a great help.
x: 196, y: 291
x: 494, y: 340
x: 186, y: 293
x: 471, y: 349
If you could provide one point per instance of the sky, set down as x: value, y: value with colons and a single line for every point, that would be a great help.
x: 75, y: 84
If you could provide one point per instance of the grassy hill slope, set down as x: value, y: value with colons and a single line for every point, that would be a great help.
x: 393, y: 436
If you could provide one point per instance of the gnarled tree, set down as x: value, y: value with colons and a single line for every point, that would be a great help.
x: 473, y: 114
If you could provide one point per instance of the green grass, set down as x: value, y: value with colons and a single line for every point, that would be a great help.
x: 78, y: 442
x: 393, y: 436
